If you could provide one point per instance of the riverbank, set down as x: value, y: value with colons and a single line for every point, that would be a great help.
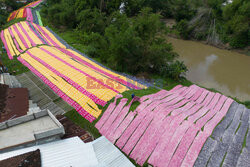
x: 211, y: 67
x: 170, y: 23
x: 245, y: 51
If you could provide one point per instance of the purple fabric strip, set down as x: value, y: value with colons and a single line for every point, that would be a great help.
x: 78, y: 108
x: 20, y: 36
x: 14, y: 39
x: 97, y: 69
x: 27, y: 35
x: 6, y: 46
x: 78, y: 87
x: 48, y: 52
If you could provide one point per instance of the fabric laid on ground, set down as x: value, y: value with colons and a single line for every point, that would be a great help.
x: 77, y: 80
x: 230, y: 140
x: 168, y: 128
x: 21, y: 13
x: 34, y: 4
x: 24, y: 35
x: 24, y: 12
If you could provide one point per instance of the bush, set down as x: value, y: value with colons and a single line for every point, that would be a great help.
x: 174, y: 70
x: 183, y: 29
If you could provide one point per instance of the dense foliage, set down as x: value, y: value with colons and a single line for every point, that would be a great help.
x: 218, y: 21
x: 6, y: 7
x: 126, y: 38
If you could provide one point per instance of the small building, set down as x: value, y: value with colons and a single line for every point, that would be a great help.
x: 29, y: 130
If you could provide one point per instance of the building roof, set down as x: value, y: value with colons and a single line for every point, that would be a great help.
x: 108, y: 155
x: 28, y: 129
x: 63, y: 153
x: 32, y: 158
x: 72, y: 129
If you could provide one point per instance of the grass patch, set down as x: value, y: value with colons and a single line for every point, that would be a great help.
x: 14, y: 66
x: 85, y: 124
x: 14, y: 21
x: 245, y: 140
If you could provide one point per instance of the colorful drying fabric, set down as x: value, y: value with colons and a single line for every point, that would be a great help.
x: 34, y: 4
x: 21, y: 13
x: 168, y: 128
x: 80, y: 82
x: 21, y: 36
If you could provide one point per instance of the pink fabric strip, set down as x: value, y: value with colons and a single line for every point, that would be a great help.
x: 214, y: 101
x: 173, y: 144
x: 181, y: 90
x: 164, y: 141
x: 183, y: 147
x: 197, y: 94
x: 78, y: 108
x: 107, y: 113
x: 220, y: 103
x: 147, y: 144
x: 151, y: 137
x: 138, y: 132
x: 29, y: 15
x: 112, y: 117
x: 125, y: 123
x: 192, y: 92
x: 208, y: 99
x: 155, y: 95
x: 78, y: 87
x: 20, y: 36
x: 178, y: 134
x: 202, y: 97
x: 27, y: 35
x: 14, y: 39
x: 130, y: 129
x: 6, y: 46
x: 67, y: 52
x: 84, y: 73
x: 118, y: 120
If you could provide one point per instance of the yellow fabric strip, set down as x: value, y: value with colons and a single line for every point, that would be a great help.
x: 24, y: 36
x: 53, y: 37
x: 50, y: 35
x: 88, y: 70
x: 20, y: 13
x: 68, y: 89
x: 79, y: 78
x: 19, y: 41
x: 106, y: 70
x: 49, y: 43
x: 32, y: 35
x: 10, y: 43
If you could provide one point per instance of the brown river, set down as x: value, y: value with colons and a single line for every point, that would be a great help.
x: 226, y: 71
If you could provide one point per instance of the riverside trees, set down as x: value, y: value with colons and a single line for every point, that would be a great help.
x: 132, y: 42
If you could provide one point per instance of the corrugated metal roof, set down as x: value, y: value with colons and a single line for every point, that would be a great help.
x: 108, y: 155
x: 63, y: 153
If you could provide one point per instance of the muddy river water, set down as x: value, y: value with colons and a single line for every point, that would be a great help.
x: 226, y: 71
